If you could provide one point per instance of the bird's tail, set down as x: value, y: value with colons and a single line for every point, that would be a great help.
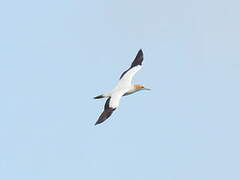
x: 99, y: 97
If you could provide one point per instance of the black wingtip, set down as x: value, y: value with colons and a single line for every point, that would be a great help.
x: 138, y: 59
x: 139, y: 54
x: 100, y: 120
x: 96, y: 123
x: 105, y: 115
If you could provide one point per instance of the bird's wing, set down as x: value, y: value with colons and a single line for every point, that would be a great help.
x: 126, y: 77
x: 111, y: 104
x: 115, y: 99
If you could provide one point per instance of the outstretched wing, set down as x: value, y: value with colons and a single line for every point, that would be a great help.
x: 126, y: 77
x: 111, y: 104
x: 137, y: 61
x: 106, y: 113
x: 125, y: 80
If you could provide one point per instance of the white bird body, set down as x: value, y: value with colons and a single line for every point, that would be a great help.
x: 123, y: 87
x: 126, y: 80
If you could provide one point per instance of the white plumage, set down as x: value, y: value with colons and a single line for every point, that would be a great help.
x: 123, y: 87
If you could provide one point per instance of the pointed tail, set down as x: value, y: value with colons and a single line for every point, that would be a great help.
x: 99, y: 97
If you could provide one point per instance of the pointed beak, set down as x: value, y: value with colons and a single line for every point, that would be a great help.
x: 146, y: 89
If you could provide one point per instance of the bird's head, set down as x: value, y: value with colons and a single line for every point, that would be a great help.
x: 138, y: 87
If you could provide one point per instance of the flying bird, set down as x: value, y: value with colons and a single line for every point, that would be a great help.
x: 124, y: 87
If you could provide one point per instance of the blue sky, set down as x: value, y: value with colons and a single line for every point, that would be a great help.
x: 57, y: 55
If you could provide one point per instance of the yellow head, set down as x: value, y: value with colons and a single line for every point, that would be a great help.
x: 138, y: 87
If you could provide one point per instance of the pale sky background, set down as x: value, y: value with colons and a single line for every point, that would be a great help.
x: 57, y: 55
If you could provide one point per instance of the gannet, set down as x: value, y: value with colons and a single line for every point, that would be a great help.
x: 124, y: 87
